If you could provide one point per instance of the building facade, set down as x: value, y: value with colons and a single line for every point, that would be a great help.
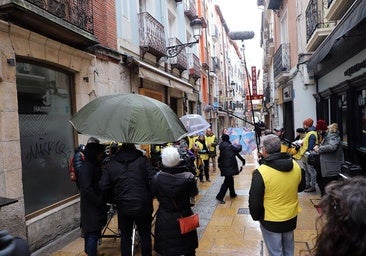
x: 288, y: 92
x: 339, y: 69
x: 56, y: 56
x: 320, y: 73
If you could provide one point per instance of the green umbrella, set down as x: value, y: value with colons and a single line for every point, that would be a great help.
x: 130, y: 118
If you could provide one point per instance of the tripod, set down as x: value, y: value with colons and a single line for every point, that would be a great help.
x: 116, y: 234
x: 111, y: 212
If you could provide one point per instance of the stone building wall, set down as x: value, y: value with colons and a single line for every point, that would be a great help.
x: 92, y: 78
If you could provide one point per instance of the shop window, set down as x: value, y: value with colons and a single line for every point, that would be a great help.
x: 342, y: 105
x: 46, y: 136
x: 361, y: 101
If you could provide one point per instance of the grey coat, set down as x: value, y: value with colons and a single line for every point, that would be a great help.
x: 331, y: 154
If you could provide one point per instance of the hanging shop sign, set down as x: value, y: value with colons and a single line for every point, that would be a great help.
x: 254, y: 80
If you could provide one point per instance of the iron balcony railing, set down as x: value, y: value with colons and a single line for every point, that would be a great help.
x: 315, y: 18
x: 152, y: 35
x: 194, y: 66
x: 180, y: 61
x: 190, y: 9
x: 77, y: 12
x: 281, y: 59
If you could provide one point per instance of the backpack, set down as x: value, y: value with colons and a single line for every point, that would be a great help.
x: 75, y: 162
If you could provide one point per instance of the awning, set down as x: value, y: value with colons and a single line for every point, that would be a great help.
x: 354, y: 16
x: 148, y: 74
x: 154, y: 74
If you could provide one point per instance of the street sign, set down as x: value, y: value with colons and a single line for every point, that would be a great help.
x: 255, y: 97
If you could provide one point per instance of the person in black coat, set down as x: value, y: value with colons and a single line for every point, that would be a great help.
x: 228, y: 166
x: 12, y: 246
x: 173, y: 186
x: 128, y: 177
x: 93, y: 207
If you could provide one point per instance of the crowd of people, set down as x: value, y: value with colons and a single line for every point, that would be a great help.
x: 312, y: 160
x: 130, y: 179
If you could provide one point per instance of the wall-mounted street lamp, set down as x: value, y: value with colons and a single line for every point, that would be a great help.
x: 173, y: 51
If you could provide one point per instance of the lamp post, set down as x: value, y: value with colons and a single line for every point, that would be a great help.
x: 245, y: 35
x: 173, y: 51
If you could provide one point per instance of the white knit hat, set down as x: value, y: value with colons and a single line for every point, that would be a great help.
x: 170, y: 156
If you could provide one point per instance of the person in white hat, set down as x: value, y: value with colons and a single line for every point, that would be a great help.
x: 173, y: 186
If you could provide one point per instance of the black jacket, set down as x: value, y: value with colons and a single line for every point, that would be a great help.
x: 173, y: 188
x: 227, y: 160
x: 127, y: 176
x: 93, y: 208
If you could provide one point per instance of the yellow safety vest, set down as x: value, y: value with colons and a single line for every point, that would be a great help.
x: 280, y: 198
x: 305, y: 144
x: 204, y: 156
x: 209, y: 140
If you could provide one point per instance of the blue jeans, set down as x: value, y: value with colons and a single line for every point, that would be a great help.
x: 91, y: 242
x: 279, y: 244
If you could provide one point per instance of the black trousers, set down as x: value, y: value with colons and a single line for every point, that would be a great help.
x: 227, y: 184
x: 323, y: 181
x: 205, y: 170
x: 143, y: 224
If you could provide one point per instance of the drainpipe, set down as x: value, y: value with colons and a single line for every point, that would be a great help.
x: 207, y: 56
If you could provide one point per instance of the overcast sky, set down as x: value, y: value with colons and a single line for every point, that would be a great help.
x: 245, y: 15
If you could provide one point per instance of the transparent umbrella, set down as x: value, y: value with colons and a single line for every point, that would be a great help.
x: 194, y: 123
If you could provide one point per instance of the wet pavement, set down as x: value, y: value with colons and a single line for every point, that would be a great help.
x: 225, y: 229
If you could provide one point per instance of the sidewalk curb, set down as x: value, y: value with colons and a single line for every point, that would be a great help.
x: 207, y: 205
x: 58, y: 244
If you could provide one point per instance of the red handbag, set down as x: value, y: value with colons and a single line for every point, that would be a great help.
x: 189, y: 223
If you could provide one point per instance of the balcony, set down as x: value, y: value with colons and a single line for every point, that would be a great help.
x: 66, y: 21
x: 281, y: 62
x: 317, y: 29
x: 274, y: 4
x: 205, y: 61
x: 152, y: 35
x: 214, y: 33
x: 269, y: 51
x: 194, y: 66
x: 180, y: 61
x: 215, y: 64
x: 337, y: 8
x: 190, y: 9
